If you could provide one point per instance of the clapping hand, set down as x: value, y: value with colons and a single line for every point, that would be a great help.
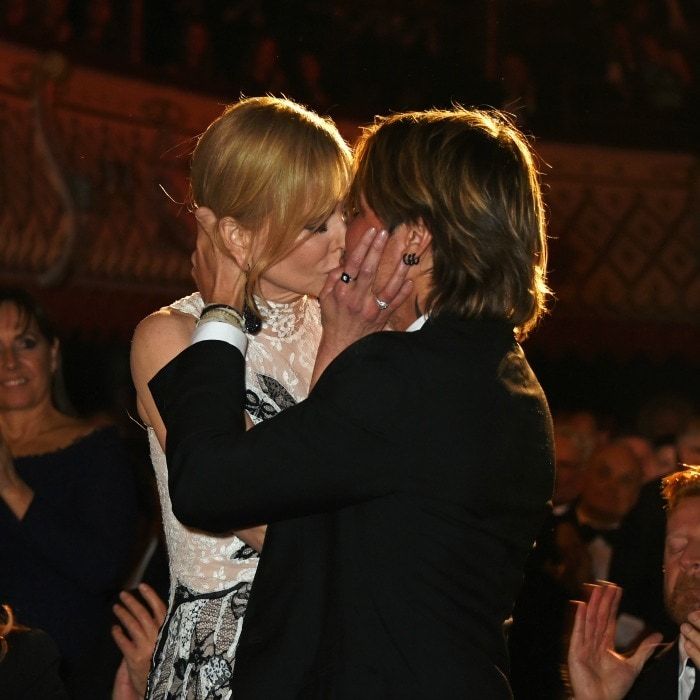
x: 139, y: 641
x: 596, y: 670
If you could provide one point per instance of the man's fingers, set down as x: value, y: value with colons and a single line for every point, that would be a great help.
x: 605, y: 600
x: 614, y: 595
x: 578, y: 633
x: 594, y: 627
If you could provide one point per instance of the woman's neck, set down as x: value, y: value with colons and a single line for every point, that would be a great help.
x: 23, y: 426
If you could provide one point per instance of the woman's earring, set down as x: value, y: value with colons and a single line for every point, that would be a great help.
x: 253, y: 322
x: 410, y: 259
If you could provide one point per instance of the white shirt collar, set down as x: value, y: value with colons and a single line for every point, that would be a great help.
x: 682, y: 657
x: 417, y: 324
x: 686, y: 673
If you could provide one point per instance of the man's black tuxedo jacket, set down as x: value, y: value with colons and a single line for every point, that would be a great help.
x: 659, y: 679
x: 403, y: 497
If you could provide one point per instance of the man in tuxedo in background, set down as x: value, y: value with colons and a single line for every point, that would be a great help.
x: 404, y: 494
x: 595, y: 670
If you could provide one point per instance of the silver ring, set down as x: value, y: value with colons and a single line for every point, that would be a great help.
x: 345, y: 277
x: 381, y: 303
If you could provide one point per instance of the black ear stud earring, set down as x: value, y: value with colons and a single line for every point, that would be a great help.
x: 410, y: 259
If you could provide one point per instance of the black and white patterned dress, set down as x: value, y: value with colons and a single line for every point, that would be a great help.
x: 210, y: 575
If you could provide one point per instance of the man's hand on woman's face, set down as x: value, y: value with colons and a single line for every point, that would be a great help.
x: 218, y: 277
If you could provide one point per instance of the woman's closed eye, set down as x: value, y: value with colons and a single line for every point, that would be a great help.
x: 317, y: 228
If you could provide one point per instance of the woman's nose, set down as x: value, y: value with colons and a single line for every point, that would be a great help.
x: 8, y: 358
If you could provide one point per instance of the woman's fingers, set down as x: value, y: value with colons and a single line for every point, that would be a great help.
x: 126, y: 646
x: 397, y: 289
x: 355, y: 258
x: 370, y: 262
x: 332, y: 279
x: 134, y: 616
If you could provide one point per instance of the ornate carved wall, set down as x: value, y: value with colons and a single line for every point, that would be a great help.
x: 85, y: 157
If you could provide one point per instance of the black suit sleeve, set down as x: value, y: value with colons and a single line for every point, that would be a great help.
x: 337, y: 447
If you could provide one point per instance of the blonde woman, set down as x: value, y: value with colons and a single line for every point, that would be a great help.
x: 269, y: 176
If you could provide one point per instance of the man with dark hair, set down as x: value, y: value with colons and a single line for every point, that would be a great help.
x: 596, y: 671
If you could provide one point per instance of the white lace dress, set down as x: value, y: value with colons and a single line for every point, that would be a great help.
x: 210, y: 575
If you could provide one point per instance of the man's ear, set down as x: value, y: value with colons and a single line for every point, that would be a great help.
x: 418, y: 237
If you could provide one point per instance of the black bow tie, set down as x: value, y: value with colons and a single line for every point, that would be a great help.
x: 589, y: 533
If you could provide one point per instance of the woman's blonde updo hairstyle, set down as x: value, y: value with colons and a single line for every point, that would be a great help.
x: 273, y: 167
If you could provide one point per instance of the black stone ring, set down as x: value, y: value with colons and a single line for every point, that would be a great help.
x: 345, y: 277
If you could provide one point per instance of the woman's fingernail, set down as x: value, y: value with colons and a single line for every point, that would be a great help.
x: 383, y: 233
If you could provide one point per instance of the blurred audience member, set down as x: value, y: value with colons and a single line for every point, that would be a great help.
x: 663, y: 415
x: 588, y: 428
x: 573, y: 549
x: 647, y: 456
x: 688, y: 442
x: 17, y: 21
x: 596, y: 671
x: 518, y: 94
x: 54, y: 26
x: 638, y: 567
x: 570, y: 449
x: 103, y: 39
x: 29, y: 662
x: 610, y: 487
x: 666, y: 454
x: 67, y: 503
x: 265, y: 74
x: 196, y: 65
x: 309, y: 77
